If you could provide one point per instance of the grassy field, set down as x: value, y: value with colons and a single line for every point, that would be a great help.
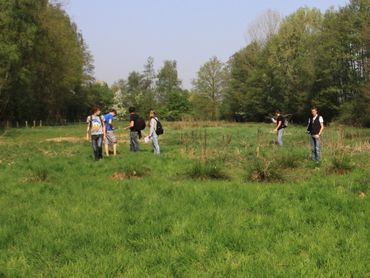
x: 221, y: 201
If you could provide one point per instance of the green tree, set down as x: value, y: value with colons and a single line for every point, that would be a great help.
x: 210, y: 85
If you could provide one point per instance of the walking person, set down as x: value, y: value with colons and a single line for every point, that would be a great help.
x: 96, y: 132
x: 134, y: 131
x: 153, y: 132
x: 279, y: 127
x: 110, y: 136
x: 315, y: 128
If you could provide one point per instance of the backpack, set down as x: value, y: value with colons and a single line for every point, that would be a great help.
x: 285, y: 123
x: 159, y: 129
x: 140, y: 124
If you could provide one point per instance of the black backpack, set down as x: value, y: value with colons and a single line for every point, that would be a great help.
x: 140, y: 124
x: 159, y: 129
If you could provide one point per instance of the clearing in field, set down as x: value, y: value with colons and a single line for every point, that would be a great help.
x: 222, y: 200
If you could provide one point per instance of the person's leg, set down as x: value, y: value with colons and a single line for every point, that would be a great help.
x: 313, y: 148
x: 280, y: 136
x: 106, y: 147
x: 114, y: 149
x: 317, y: 150
x: 156, y: 148
x: 94, y: 144
x: 100, y: 146
x: 134, y: 144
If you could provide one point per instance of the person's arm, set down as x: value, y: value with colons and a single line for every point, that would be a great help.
x: 104, y: 129
x: 131, y: 125
x: 88, y: 128
x: 321, y: 127
x: 279, y: 125
x: 110, y: 122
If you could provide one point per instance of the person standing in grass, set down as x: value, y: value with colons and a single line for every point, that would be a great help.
x: 96, y: 132
x: 279, y: 127
x: 110, y: 136
x: 153, y: 132
x: 134, y: 133
x: 315, y: 128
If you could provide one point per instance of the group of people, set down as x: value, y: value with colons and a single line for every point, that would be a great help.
x: 100, y: 131
x: 315, y: 129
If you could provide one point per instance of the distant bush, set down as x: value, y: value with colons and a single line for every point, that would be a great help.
x: 340, y: 165
x: 207, y: 170
x: 263, y: 170
x: 288, y: 160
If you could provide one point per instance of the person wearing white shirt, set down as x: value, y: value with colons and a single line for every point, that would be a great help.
x: 152, y: 134
x: 315, y: 128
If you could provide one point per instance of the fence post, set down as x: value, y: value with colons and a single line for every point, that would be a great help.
x: 40, y: 123
x: 26, y: 124
x: 17, y: 124
x: 34, y: 123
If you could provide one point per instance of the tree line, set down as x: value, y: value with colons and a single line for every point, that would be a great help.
x: 307, y: 58
x: 45, y: 66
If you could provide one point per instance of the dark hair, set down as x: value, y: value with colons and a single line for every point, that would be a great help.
x: 277, y: 111
x: 314, y: 108
x: 94, y: 109
x: 113, y: 111
x: 131, y: 109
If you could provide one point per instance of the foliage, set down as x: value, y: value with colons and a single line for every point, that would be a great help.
x: 79, y: 219
x: 44, y: 62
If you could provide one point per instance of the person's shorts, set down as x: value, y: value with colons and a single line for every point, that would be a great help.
x: 111, y: 138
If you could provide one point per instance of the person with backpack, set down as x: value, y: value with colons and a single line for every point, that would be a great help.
x: 96, y: 132
x: 136, y: 125
x: 110, y: 136
x: 155, y: 130
x: 280, y: 125
x: 314, y: 129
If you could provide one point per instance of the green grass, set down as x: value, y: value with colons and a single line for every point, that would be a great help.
x: 191, y: 212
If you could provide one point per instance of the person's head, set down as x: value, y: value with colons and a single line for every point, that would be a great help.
x: 152, y: 114
x: 277, y: 113
x: 113, y: 112
x: 131, y: 110
x: 96, y: 110
x: 314, y: 111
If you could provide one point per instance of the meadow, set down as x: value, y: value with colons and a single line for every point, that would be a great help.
x: 222, y: 200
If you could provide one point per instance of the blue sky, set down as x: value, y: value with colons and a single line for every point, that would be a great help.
x: 122, y: 34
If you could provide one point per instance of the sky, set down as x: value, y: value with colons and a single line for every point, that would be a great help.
x: 122, y: 34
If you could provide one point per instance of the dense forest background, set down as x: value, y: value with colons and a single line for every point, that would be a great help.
x: 307, y: 58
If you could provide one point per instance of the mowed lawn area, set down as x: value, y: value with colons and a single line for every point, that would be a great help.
x: 221, y: 201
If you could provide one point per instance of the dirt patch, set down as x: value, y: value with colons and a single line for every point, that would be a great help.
x: 65, y: 139
x: 362, y: 195
x: 119, y: 176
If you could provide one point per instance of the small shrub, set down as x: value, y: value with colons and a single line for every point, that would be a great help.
x: 288, y: 160
x: 131, y: 171
x: 207, y: 170
x: 263, y: 171
x: 340, y: 165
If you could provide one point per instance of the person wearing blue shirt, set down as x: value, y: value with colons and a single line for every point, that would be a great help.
x: 110, y: 137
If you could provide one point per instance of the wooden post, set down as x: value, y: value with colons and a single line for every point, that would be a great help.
x: 40, y: 123
x: 17, y: 124
x: 26, y: 124
x: 34, y: 123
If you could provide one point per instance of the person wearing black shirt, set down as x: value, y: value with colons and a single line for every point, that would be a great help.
x: 279, y: 127
x: 315, y: 128
x: 134, y: 134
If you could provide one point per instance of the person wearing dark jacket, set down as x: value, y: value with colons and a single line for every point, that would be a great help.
x: 315, y: 128
x: 134, y: 132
